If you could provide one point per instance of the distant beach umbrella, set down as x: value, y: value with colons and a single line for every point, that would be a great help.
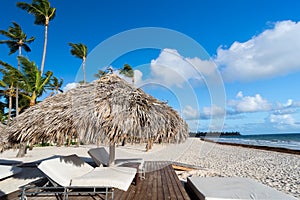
x: 106, y: 110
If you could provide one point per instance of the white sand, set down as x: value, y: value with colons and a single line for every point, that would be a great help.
x: 278, y: 170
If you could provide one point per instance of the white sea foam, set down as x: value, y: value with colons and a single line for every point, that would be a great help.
x: 288, y: 142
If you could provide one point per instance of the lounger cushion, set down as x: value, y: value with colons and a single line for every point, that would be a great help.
x: 63, y: 169
x: 235, y: 188
x: 7, y: 171
x: 116, y: 177
x: 101, y: 157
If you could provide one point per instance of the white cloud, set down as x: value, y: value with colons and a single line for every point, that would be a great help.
x: 249, y: 103
x: 208, y: 112
x: 285, y: 119
x: 214, y: 111
x: 171, y: 68
x: 70, y: 86
x: 289, y: 104
x: 274, y: 52
x: 138, y: 75
x: 190, y: 113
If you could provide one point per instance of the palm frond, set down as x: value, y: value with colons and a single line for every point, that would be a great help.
x: 30, y: 40
x: 17, y: 38
x: 13, y: 46
x: 40, y: 9
x: 26, y: 48
x: 78, y: 50
x: 7, y: 34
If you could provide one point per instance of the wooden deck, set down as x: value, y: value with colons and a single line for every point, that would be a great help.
x: 161, y: 182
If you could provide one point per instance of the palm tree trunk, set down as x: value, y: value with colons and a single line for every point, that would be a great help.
x: 83, y: 69
x: 32, y: 99
x: 45, y: 49
x: 112, y: 154
x: 17, y: 85
x: 9, y: 105
x: 22, y: 150
x: 32, y: 103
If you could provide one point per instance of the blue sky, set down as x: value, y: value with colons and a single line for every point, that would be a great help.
x: 253, y: 45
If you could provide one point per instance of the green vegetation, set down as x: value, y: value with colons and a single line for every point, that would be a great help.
x: 127, y: 71
x: 213, y: 134
x: 17, y: 40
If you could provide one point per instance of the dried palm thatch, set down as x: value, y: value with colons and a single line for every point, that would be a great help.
x: 105, y: 110
x: 3, y: 137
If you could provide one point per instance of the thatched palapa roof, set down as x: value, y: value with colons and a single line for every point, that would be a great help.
x: 3, y: 137
x: 107, y: 109
x: 2, y: 128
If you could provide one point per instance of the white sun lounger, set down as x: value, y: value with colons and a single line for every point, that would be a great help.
x: 234, y: 188
x: 101, y: 158
x: 8, y: 171
x: 70, y: 173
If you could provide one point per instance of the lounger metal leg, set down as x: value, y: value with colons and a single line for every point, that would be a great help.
x: 142, y: 173
x: 23, y: 194
x: 65, y: 194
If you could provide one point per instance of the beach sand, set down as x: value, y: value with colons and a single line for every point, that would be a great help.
x: 278, y: 170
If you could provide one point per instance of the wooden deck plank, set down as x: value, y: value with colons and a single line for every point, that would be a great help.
x: 155, y: 186
x: 160, y: 194
x: 170, y: 184
x: 184, y: 195
x: 164, y: 184
x: 161, y: 183
x: 173, y: 182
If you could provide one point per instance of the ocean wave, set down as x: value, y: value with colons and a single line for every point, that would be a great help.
x: 288, y: 144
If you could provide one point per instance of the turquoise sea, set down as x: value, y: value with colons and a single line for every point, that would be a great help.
x: 288, y: 141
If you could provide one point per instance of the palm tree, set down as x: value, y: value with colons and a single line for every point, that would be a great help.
x: 55, y: 85
x: 33, y: 84
x: 43, y: 13
x: 2, y: 115
x: 17, y: 40
x: 100, y: 74
x: 80, y: 51
x: 10, y: 76
x: 127, y: 71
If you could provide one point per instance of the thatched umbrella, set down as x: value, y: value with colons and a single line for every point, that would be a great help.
x: 105, y: 110
x: 3, y: 137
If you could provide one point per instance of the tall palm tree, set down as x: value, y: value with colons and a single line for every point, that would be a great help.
x: 127, y: 71
x: 10, y: 76
x: 17, y: 40
x: 55, y: 85
x: 33, y: 84
x: 80, y: 51
x: 43, y: 13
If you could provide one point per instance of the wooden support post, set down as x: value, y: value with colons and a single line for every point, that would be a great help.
x: 112, y: 149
